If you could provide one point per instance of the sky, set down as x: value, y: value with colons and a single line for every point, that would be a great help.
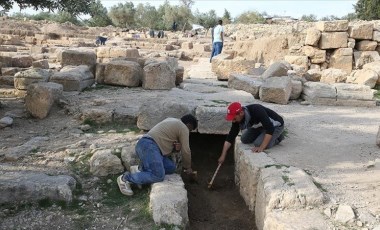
x: 295, y: 8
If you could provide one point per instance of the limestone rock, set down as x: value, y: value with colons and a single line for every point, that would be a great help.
x: 129, y: 156
x: 333, y: 76
x: 342, y: 59
x: 364, y: 57
x: 366, y: 77
x: 362, y: 31
x: 247, y: 83
x: 168, y: 201
x: 376, y: 36
x: 277, y: 69
x: 312, y: 37
x: 313, y: 75
x: 223, y: 66
x: 314, y: 92
x: 375, y: 66
x: 158, y: 75
x: 24, y: 78
x: 22, y: 61
x: 41, y: 97
x: 74, y: 78
x: 366, y: 45
x: 5, y: 122
x: 79, y: 57
x: 333, y: 40
x: 104, y: 163
x: 211, y: 120
x: 332, y: 26
x: 276, y: 90
x: 15, y: 153
x: 97, y: 115
x: 43, y: 64
x: 302, y: 61
x: 296, y: 90
x: 344, y: 213
x: 353, y: 92
x: 316, y: 55
x: 26, y: 187
x: 124, y: 73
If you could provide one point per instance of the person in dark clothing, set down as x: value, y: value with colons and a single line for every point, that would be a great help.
x: 261, y: 126
x: 101, y: 40
x: 174, y: 27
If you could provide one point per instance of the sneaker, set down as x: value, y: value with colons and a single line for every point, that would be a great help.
x: 135, y: 169
x: 124, y: 186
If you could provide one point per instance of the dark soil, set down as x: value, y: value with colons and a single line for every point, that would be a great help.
x: 220, y: 207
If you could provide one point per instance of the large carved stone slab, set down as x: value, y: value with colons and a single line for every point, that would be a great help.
x: 74, y: 78
x: 363, y: 31
x: 282, y: 187
x: 211, y: 120
x: 333, y: 40
x: 158, y: 75
x: 26, y: 187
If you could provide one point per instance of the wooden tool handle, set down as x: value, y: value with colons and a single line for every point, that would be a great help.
x: 213, y: 177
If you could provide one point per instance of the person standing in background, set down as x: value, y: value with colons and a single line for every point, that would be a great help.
x: 218, y: 39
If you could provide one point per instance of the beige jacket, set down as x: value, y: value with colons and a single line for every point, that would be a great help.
x: 169, y: 131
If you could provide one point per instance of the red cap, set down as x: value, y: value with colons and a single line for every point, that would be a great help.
x: 233, y: 109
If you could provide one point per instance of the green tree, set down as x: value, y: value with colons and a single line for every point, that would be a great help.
x: 99, y: 15
x: 147, y: 16
x: 226, y: 17
x: 180, y: 14
x: 368, y: 9
x: 309, y: 18
x: 123, y: 15
x: 73, y: 7
x: 187, y: 3
x: 208, y: 20
x: 249, y: 17
x: 350, y: 17
x: 330, y: 18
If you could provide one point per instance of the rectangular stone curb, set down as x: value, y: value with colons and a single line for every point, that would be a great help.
x: 211, y: 120
x: 168, y: 201
x: 247, y: 170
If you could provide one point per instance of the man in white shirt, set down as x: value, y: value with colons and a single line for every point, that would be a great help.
x: 217, y: 44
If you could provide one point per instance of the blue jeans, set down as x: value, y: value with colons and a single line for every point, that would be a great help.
x: 216, y: 49
x: 154, y: 164
x: 257, y: 136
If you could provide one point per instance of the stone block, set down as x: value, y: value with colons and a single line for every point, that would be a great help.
x: 79, y: 57
x: 314, y: 90
x: 363, y: 31
x: 168, y: 201
x: 277, y: 69
x: 41, y: 97
x: 302, y: 61
x: 366, y: 45
x: 333, y: 40
x: 24, y: 78
x: 247, y: 171
x: 124, y: 73
x: 158, y: 75
x: 296, y: 89
x: 132, y: 53
x: 316, y: 55
x: 180, y: 70
x: 347, y: 91
x: 223, y: 66
x: 187, y: 45
x: 313, y: 75
x: 366, y: 77
x: 43, y: 64
x: 342, y: 59
x: 375, y: 66
x: 281, y: 187
x: 74, y: 78
x: 211, y: 120
x: 312, y: 37
x: 22, y: 61
x: 276, y: 90
x: 333, y: 76
x: 97, y: 115
x: 376, y: 36
x: 34, y: 187
x: 364, y: 57
x: 246, y: 83
x: 332, y: 26
x: 99, y: 72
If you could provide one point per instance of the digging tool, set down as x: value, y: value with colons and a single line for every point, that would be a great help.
x: 213, y: 177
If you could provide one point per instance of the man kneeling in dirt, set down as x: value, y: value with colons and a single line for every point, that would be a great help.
x: 153, y: 150
x: 262, y: 126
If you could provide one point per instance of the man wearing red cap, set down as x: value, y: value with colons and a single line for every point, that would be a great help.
x: 261, y: 126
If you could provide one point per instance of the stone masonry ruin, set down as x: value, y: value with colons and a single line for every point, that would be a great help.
x: 54, y: 67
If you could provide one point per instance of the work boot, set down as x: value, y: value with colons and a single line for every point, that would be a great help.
x: 124, y: 186
x: 135, y: 169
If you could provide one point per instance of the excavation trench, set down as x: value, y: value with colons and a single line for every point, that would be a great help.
x: 220, y: 207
